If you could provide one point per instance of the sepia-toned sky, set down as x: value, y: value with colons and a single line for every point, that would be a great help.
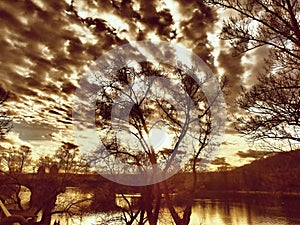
x: 47, y: 45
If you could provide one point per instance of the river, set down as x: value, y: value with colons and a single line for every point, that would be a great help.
x: 251, y: 210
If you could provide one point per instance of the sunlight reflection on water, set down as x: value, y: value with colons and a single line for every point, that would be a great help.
x: 208, y: 212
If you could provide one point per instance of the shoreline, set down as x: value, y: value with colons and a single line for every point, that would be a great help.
x: 232, y: 194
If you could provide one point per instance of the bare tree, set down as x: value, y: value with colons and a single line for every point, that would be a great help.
x: 255, y: 23
x: 63, y: 167
x: 69, y: 160
x: 5, y: 121
x: 14, y: 162
x: 142, y: 101
x: 271, y: 109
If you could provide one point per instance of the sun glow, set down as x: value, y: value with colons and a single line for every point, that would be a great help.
x: 159, y: 138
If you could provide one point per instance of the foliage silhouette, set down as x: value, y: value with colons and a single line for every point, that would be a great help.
x: 270, y: 108
x: 147, y: 101
x: 5, y: 121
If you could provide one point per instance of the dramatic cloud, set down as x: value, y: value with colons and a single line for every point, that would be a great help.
x: 220, y: 161
x: 233, y: 70
x: 254, y: 63
x: 44, y: 51
x: 198, y: 20
x: 253, y: 154
x: 47, y: 45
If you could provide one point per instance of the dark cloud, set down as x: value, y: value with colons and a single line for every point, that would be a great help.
x: 233, y: 68
x: 46, y: 45
x: 200, y: 21
x: 68, y: 88
x: 256, y: 64
x: 256, y: 154
x: 54, y: 112
x: 230, y: 129
x: 66, y: 121
x: 41, y: 50
x: 38, y: 131
x: 227, y: 143
x: 220, y: 161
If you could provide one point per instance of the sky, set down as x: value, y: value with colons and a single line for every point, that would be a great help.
x: 46, y: 47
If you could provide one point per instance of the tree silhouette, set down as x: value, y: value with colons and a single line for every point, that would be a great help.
x: 5, y: 121
x: 66, y: 162
x: 256, y: 23
x: 14, y: 161
x: 67, y: 159
x: 133, y: 102
x: 45, y: 186
x: 270, y: 109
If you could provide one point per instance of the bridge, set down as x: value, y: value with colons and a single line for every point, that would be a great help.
x: 86, y: 182
x: 43, y: 184
x: 45, y: 187
x: 65, y: 180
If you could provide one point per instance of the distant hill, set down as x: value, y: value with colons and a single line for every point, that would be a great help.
x: 277, y: 173
x: 281, y: 161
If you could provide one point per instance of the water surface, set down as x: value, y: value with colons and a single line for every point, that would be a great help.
x: 251, y: 210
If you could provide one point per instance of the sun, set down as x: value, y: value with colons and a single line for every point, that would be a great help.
x: 159, y: 138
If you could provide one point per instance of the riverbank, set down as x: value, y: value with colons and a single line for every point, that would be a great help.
x: 232, y: 194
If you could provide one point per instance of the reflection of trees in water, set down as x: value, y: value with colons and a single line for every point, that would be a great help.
x: 223, y: 211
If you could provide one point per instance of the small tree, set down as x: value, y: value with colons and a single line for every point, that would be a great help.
x: 14, y: 162
x: 45, y: 161
x: 67, y: 158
